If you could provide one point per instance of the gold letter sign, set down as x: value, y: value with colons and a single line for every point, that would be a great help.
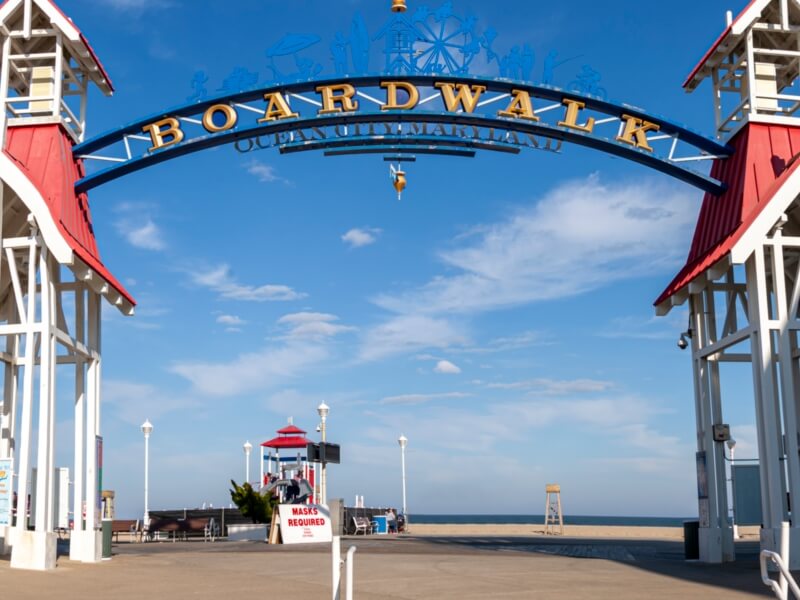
x: 467, y: 97
x: 330, y: 100
x: 277, y: 108
x: 637, y: 128
x: 166, y: 128
x: 571, y: 118
x: 391, y: 95
x: 521, y: 107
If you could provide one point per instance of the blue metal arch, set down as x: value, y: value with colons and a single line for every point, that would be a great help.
x: 129, y: 164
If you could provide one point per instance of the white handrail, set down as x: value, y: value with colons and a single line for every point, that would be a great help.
x: 349, y: 573
x: 775, y: 558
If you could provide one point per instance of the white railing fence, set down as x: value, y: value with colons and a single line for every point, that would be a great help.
x: 337, y: 562
x: 781, y: 561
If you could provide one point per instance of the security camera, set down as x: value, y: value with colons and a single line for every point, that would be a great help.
x: 319, y: 428
x: 682, y: 343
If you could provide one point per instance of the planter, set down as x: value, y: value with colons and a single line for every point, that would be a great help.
x: 255, y: 532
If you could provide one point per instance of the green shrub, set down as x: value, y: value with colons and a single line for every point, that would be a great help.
x: 253, y: 504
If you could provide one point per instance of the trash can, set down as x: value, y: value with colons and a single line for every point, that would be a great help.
x: 107, y: 539
x: 380, y: 525
x: 691, y: 540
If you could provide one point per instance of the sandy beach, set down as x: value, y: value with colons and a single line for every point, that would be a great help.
x: 572, y: 531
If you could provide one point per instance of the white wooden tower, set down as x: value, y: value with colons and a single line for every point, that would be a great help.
x: 742, y: 277
x: 52, y: 281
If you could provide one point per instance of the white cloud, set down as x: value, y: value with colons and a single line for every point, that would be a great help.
x: 445, y: 367
x: 137, y: 226
x: 358, y: 238
x: 137, y: 4
x: 219, y: 279
x: 409, y: 333
x: 647, y: 328
x: 133, y: 402
x: 231, y: 320
x: 414, y: 399
x: 509, y: 343
x: 556, y: 387
x: 581, y: 236
x: 310, y: 325
x: 252, y: 371
x: 264, y: 173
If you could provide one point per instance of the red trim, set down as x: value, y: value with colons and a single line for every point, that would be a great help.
x: 291, y: 429
x: 86, y: 43
x: 290, y: 441
x: 97, y: 62
x: 83, y: 38
x: 716, y: 45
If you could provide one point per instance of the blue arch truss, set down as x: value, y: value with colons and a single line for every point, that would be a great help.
x: 430, y: 127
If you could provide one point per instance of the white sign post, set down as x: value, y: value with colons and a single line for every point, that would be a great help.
x: 6, y: 465
x: 305, y: 524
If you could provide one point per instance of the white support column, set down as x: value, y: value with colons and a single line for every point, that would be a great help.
x: 5, y: 69
x: 92, y: 550
x: 715, y: 451
x: 34, y: 550
x: 767, y: 421
x: 789, y: 388
x: 44, y: 473
x: 713, y: 546
x: 9, y: 413
x: 79, y: 533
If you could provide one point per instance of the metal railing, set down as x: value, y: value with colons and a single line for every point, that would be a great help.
x: 781, y: 561
x: 337, y: 562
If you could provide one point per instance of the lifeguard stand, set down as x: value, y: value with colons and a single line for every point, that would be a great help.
x: 552, y: 510
x: 52, y: 280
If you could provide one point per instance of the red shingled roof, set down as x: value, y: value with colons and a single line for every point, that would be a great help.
x: 765, y: 157
x: 44, y: 154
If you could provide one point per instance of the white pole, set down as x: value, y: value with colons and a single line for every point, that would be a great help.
x: 147, y: 429
x: 248, y: 447
x: 323, y: 410
x: 348, y: 582
x: 336, y: 566
x: 403, y: 441
x: 784, y: 583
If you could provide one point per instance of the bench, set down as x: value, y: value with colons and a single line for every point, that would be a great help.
x: 130, y: 527
x: 362, y: 524
x: 183, y: 527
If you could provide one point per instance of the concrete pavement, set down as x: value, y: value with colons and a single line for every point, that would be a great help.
x: 397, y: 568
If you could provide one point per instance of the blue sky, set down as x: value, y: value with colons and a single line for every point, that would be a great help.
x: 500, y: 316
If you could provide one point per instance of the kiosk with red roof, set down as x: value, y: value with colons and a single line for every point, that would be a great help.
x: 277, y: 470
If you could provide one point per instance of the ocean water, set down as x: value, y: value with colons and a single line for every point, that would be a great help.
x: 539, y: 520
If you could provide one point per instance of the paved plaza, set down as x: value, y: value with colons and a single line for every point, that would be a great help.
x: 398, y: 568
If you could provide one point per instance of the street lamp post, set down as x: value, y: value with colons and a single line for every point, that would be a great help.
x: 323, y: 410
x: 147, y: 429
x: 248, y: 447
x: 403, y: 441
